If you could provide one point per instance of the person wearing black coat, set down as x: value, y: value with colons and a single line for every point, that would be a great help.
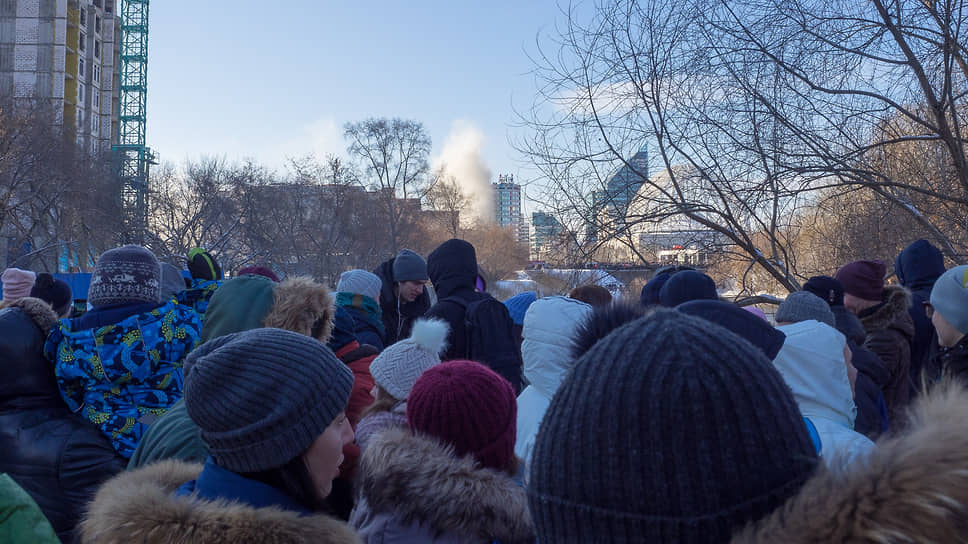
x: 917, y: 267
x: 54, y: 455
x: 398, y: 313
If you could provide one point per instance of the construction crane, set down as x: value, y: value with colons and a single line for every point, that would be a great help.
x: 132, y: 157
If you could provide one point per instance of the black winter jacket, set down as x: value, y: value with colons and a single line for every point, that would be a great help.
x: 872, y: 376
x: 56, y: 456
x: 917, y: 268
x: 951, y: 361
x: 452, y: 268
x: 398, y: 316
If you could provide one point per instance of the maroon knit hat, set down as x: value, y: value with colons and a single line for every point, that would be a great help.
x: 469, y: 406
x: 864, y: 279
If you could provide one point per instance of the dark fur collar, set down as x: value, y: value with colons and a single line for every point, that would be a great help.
x: 914, y: 488
x: 892, y: 312
x: 419, y: 479
x: 37, y: 310
x: 139, y: 507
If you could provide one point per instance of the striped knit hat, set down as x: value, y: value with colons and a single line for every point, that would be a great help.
x: 670, y: 429
x: 261, y: 397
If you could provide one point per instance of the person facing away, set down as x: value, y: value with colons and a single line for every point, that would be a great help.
x: 394, y: 372
x: 889, y: 330
x: 816, y: 363
x: 550, y: 326
x: 403, y: 294
x: 56, y: 456
x: 917, y: 267
x: 450, y: 476
x: 872, y: 418
x: 120, y: 364
x: 358, y: 291
x: 481, y: 328
x: 271, y: 464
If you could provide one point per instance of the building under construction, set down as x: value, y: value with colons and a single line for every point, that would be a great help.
x: 64, y: 54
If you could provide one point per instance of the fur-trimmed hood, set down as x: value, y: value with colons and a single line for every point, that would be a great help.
x: 892, y: 313
x: 417, y: 479
x: 140, y: 506
x: 298, y: 304
x: 914, y: 488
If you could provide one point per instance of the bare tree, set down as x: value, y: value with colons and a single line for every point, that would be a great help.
x: 448, y: 199
x: 752, y: 108
x: 394, y: 157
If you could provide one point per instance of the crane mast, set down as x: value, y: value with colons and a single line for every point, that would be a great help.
x: 132, y: 157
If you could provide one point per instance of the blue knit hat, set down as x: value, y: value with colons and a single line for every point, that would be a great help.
x: 518, y: 305
x: 650, y: 291
x: 737, y: 320
x: 261, y: 397
x: 685, y: 286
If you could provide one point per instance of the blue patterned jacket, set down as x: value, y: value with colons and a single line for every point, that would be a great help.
x: 122, y: 377
x: 198, y: 295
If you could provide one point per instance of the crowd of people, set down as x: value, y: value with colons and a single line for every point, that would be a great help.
x: 409, y: 405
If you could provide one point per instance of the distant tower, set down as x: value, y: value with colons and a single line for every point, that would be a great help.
x: 507, y: 207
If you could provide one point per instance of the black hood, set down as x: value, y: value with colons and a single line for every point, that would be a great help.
x: 919, y: 265
x: 452, y: 267
x: 849, y: 325
x: 26, y: 378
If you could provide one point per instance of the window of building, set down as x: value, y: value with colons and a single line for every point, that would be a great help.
x: 97, y: 73
x: 97, y: 100
x: 83, y: 17
x: 97, y: 49
x: 97, y: 24
x: 82, y: 44
x: 80, y: 67
x: 80, y: 93
x: 94, y: 124
x: 97, y: 3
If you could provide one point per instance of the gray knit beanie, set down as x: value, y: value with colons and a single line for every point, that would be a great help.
x: 125, y: 275
x: 261, y: 397
x: 804, y: 305
x: 397, y: 368
x: 408, y: 266
x: 360, y: 282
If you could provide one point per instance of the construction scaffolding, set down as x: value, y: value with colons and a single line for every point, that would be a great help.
x: 131, y: 155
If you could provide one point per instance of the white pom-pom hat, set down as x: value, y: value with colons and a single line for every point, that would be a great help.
x: 399, y: 366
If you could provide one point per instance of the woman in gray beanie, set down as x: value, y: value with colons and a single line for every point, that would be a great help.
x: 270, y: 405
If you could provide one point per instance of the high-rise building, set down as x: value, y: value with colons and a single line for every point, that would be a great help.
x: 546, y: 234
x: 609, y: 206
x: 507, y: 207
x: 63, y: 54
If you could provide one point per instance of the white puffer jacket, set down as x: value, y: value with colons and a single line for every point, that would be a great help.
x: 812, y: 363
x: 548, y: 332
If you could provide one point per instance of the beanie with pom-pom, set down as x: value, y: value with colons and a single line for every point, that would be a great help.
x: 397, y: 368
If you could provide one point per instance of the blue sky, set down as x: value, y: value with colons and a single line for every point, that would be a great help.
x: 267, y: 80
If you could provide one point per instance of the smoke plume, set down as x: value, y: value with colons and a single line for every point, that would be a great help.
x: 461, y: 158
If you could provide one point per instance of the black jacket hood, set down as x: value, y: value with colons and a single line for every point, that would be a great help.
x: 452, y: 267
x: 26, y: 377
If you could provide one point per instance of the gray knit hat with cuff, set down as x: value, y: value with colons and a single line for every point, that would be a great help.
x: 261, y: 397
x: 360, y: 282
x: 408, y: 266
x: 803, y: 306
x: 949, y: 297
x: 397, y: 368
